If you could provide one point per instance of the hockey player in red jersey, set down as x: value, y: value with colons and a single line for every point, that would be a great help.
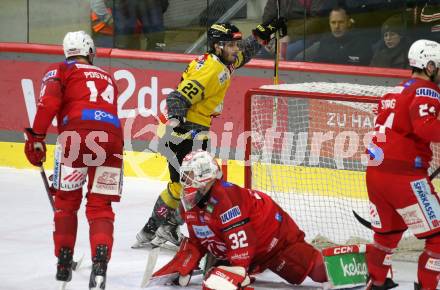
x: 83, y: 97
x: 244, y: 229
x: 400, y: 191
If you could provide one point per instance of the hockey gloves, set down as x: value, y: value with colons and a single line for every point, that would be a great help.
x: 227, y: 278
x: 35, y: 147
x: 184, y: 262
x: 267, y: 30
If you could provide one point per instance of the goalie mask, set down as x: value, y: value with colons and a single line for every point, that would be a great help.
x: 79, y: 43
x: 197, y: 173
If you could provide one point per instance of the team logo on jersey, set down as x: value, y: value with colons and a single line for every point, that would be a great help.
x: 226, y: 184
x: 236, y: 225
x: 374, y: 216
x: 414, y: 218
x: 230, y: 214
x: 278, y: 217
x: 72, y: 178
x: 190, y: 216
x: 213, y: 200
x: 107, y: 181
x: 427, y: 92
x: 433, y: 264
x: 210, y: 208
x: 99, y: 115
x: 50, y: 74
x: 203, y: 232
x: 427, y: 201
x: 408, y: 83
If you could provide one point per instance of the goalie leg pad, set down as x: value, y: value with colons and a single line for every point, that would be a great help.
x: 297, y: 258
x: 171, y: 195
x: 429, y: 264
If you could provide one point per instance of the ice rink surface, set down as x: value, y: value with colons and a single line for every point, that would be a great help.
x: 26, y: 248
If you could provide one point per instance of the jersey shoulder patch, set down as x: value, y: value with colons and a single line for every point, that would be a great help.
x: 52, y: 72
x: 428, y: 92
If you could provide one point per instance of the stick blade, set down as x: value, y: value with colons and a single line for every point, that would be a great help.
x: 163, y: 280
x: 149, y: 268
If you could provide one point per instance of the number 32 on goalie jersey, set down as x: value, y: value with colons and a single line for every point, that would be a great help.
x: 238, y: 240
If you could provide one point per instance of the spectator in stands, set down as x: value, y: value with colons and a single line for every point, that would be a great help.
x: 343, y: 45
x: 306, y: 22
x: 428, y: 26
x: 393, y: 49
x: 144, y: 15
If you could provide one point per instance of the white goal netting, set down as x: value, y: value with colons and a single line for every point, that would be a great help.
x: 308, y: 152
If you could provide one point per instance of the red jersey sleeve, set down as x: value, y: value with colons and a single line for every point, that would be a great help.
x: 424, y: 110
x: 50, y: 99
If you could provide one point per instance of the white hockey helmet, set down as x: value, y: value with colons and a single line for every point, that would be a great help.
x: 422, y: 52
x: 78, y: 43
x: 198, y: 169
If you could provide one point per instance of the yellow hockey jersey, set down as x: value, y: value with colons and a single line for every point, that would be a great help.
x: 204, y: 84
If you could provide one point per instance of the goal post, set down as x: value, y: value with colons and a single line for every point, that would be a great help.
x: 312, y: 159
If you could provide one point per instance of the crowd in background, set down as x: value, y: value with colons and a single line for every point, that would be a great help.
x: 355, y: 32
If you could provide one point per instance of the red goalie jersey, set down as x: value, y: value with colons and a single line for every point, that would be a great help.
x: 406, y: 125
x: 247, y: 228
x: 82, y: 96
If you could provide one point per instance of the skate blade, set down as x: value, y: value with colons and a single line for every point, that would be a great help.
x: 77, y: 264
x: 99, y: 280
x: 62, y: 285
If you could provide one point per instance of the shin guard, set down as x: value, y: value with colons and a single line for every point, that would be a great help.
x: 428, y: 270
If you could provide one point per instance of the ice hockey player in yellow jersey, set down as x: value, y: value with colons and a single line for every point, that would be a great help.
x: 191, y: 107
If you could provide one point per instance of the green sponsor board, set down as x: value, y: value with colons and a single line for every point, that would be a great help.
x: 347, y: 270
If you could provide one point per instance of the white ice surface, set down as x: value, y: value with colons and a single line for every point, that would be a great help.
x: 26, y: 249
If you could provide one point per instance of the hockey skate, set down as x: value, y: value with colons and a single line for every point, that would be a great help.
x: 145, y: 235
x: 99, y: 269
x: 167, y: 233
x: 64, y: 267
x: 389, y: 284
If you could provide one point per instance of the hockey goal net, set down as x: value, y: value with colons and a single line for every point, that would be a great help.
x: 307, y: 150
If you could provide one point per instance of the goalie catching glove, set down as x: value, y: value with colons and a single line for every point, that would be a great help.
x: 227, y: 278
x: 266, y: 31
x: 184, y: 262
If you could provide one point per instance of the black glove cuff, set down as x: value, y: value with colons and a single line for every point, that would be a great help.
x: 31, y: 132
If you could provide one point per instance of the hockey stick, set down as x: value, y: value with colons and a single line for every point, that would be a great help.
x: 168, y: 279
x: 277, y: 49
x: 367, y: 224
x: 75, y: 265
x: 46, y: 185
x: 275, y: 70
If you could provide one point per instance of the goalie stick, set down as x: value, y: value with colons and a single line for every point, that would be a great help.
x: 75, y: 264
x: 153, y: 255
x: 367, y: 224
